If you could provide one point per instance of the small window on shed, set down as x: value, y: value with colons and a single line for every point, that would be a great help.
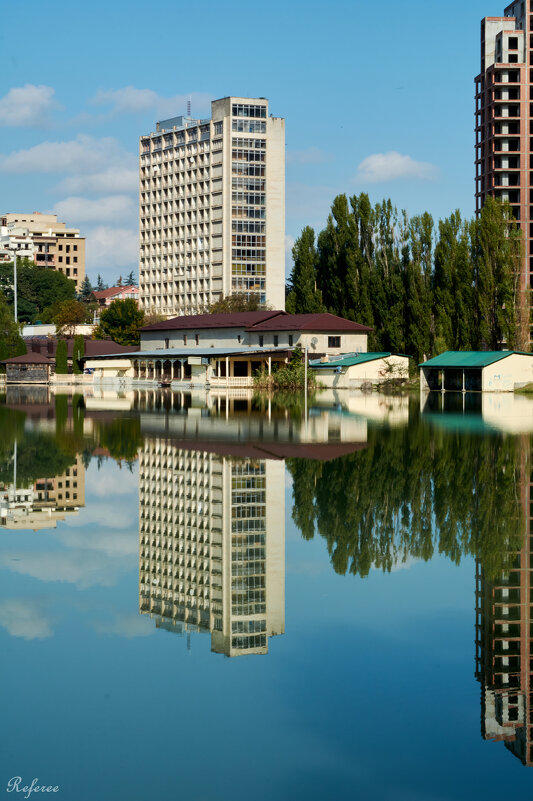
x: 334, y: 342
x: 184, y: 339
x: 276, y: 340
x: 197, y: 339
x: 261, y: 340
x: 167, y: 342
x: 290, y: 340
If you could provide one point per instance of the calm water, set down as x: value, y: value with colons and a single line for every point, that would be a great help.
x: 219, y: 599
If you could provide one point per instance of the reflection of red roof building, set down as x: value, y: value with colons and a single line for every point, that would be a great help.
x: 105, y: 297
x: 504, y: 649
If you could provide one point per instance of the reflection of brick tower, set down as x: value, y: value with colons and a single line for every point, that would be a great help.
x: 504, y: 647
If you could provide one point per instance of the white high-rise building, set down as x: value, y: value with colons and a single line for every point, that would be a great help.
x: 212, y: 208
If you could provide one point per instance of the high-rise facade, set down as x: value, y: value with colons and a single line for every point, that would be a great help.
x: 504, y: 119
x: 212, y: 208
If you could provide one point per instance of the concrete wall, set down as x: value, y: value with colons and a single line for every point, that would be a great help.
x: 111, y: 368
x: 374, y: 371
x: 506, y: 375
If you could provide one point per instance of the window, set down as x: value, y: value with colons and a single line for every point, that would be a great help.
x: 290, y: 340
x: 513, y: 43
x: 334, y: 342
x: 261, y: 340
x: 184, y: 339
x: 276, y: 340
x: 197, y: 338
x: 167, y: 342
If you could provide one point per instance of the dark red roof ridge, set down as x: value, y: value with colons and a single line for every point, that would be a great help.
x: 319, y: 321
x: 222, y: 320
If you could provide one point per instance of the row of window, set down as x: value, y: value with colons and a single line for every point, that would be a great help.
x: 245, y: 126
x: 248, y: 226
x: 248, y: 626
x: 249, y: 254
x: 256, y: 184
x: 248, y: 211
x: 258, y: 199
x: 251, y: 144
x: 248, y: 110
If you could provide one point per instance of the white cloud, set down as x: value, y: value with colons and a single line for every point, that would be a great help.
x: 115, y: 208
x: 114, y: 179
x: 24, y: 618
x: 112, y: 248
x: 27, y: 106
x: 83, y: 568
x: 110, y: 482
x: 127, y: 625
x: 85, y: 154
x: 311, y: 155
x: 392, y: 166
x: 129, y: 99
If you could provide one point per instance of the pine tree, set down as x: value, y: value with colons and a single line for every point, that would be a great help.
x: 100, y: 286
x: 130, y: 280
x: 86, y: 290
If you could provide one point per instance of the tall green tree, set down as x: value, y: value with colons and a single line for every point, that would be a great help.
x: 304, y: 297
x: 78, y: 352
x: 121, y: 322
x: 11, y: 343
x: 497, y: 250
x: 130, y: 280
x: 61, y: 357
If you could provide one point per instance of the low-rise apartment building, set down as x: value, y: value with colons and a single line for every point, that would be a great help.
x: 46, y: 241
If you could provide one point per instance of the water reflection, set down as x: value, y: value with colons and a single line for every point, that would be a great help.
x: 382, y: 481
x: 504, y: 656
x: 212, y: 545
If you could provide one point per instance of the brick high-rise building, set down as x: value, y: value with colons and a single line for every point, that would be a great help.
x: 212, y: 208
x: 504, y: 119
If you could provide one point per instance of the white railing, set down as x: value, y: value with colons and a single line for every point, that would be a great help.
x: 232, y: 381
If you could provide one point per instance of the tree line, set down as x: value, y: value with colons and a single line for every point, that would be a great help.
x: 423, y: 288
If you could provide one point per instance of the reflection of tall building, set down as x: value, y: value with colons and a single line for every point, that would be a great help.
x: 504, y: 653
x: 212, y: 545
x: 45, y: 502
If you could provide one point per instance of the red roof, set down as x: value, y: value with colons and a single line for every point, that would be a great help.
x: 226, y: 320
x: 309, y: 322
x: 28, y: 358
x: 113, y: 290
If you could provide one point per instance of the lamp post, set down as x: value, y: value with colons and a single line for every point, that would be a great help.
x: 12, y: 251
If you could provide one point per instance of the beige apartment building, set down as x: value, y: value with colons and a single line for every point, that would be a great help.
x: 212, y: 545
x: 45, y: 240
x: 212, y: 208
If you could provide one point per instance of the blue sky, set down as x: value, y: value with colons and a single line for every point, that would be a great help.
x: 377, y: 98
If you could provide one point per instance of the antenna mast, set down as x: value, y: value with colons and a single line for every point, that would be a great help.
x: 189, y: 106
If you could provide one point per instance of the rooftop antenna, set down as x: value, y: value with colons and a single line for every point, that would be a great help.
x: 189, y: 106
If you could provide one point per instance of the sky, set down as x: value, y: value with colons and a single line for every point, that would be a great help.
x: 377, y: 98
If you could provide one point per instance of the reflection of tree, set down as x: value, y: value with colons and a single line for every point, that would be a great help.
x: 38, y: 455
x: 410, y: 492
x: 122, y: 438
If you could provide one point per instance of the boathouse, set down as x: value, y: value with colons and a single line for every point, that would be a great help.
x: 352, y: 370
x: 477, y: 371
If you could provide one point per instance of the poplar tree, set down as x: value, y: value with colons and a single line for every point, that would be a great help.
x: 304, y: 297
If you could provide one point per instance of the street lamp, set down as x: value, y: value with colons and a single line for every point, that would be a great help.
x: 11, y: 250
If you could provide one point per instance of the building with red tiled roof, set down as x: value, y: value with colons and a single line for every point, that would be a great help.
x: 320, y: 333
x: 105, y: 297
